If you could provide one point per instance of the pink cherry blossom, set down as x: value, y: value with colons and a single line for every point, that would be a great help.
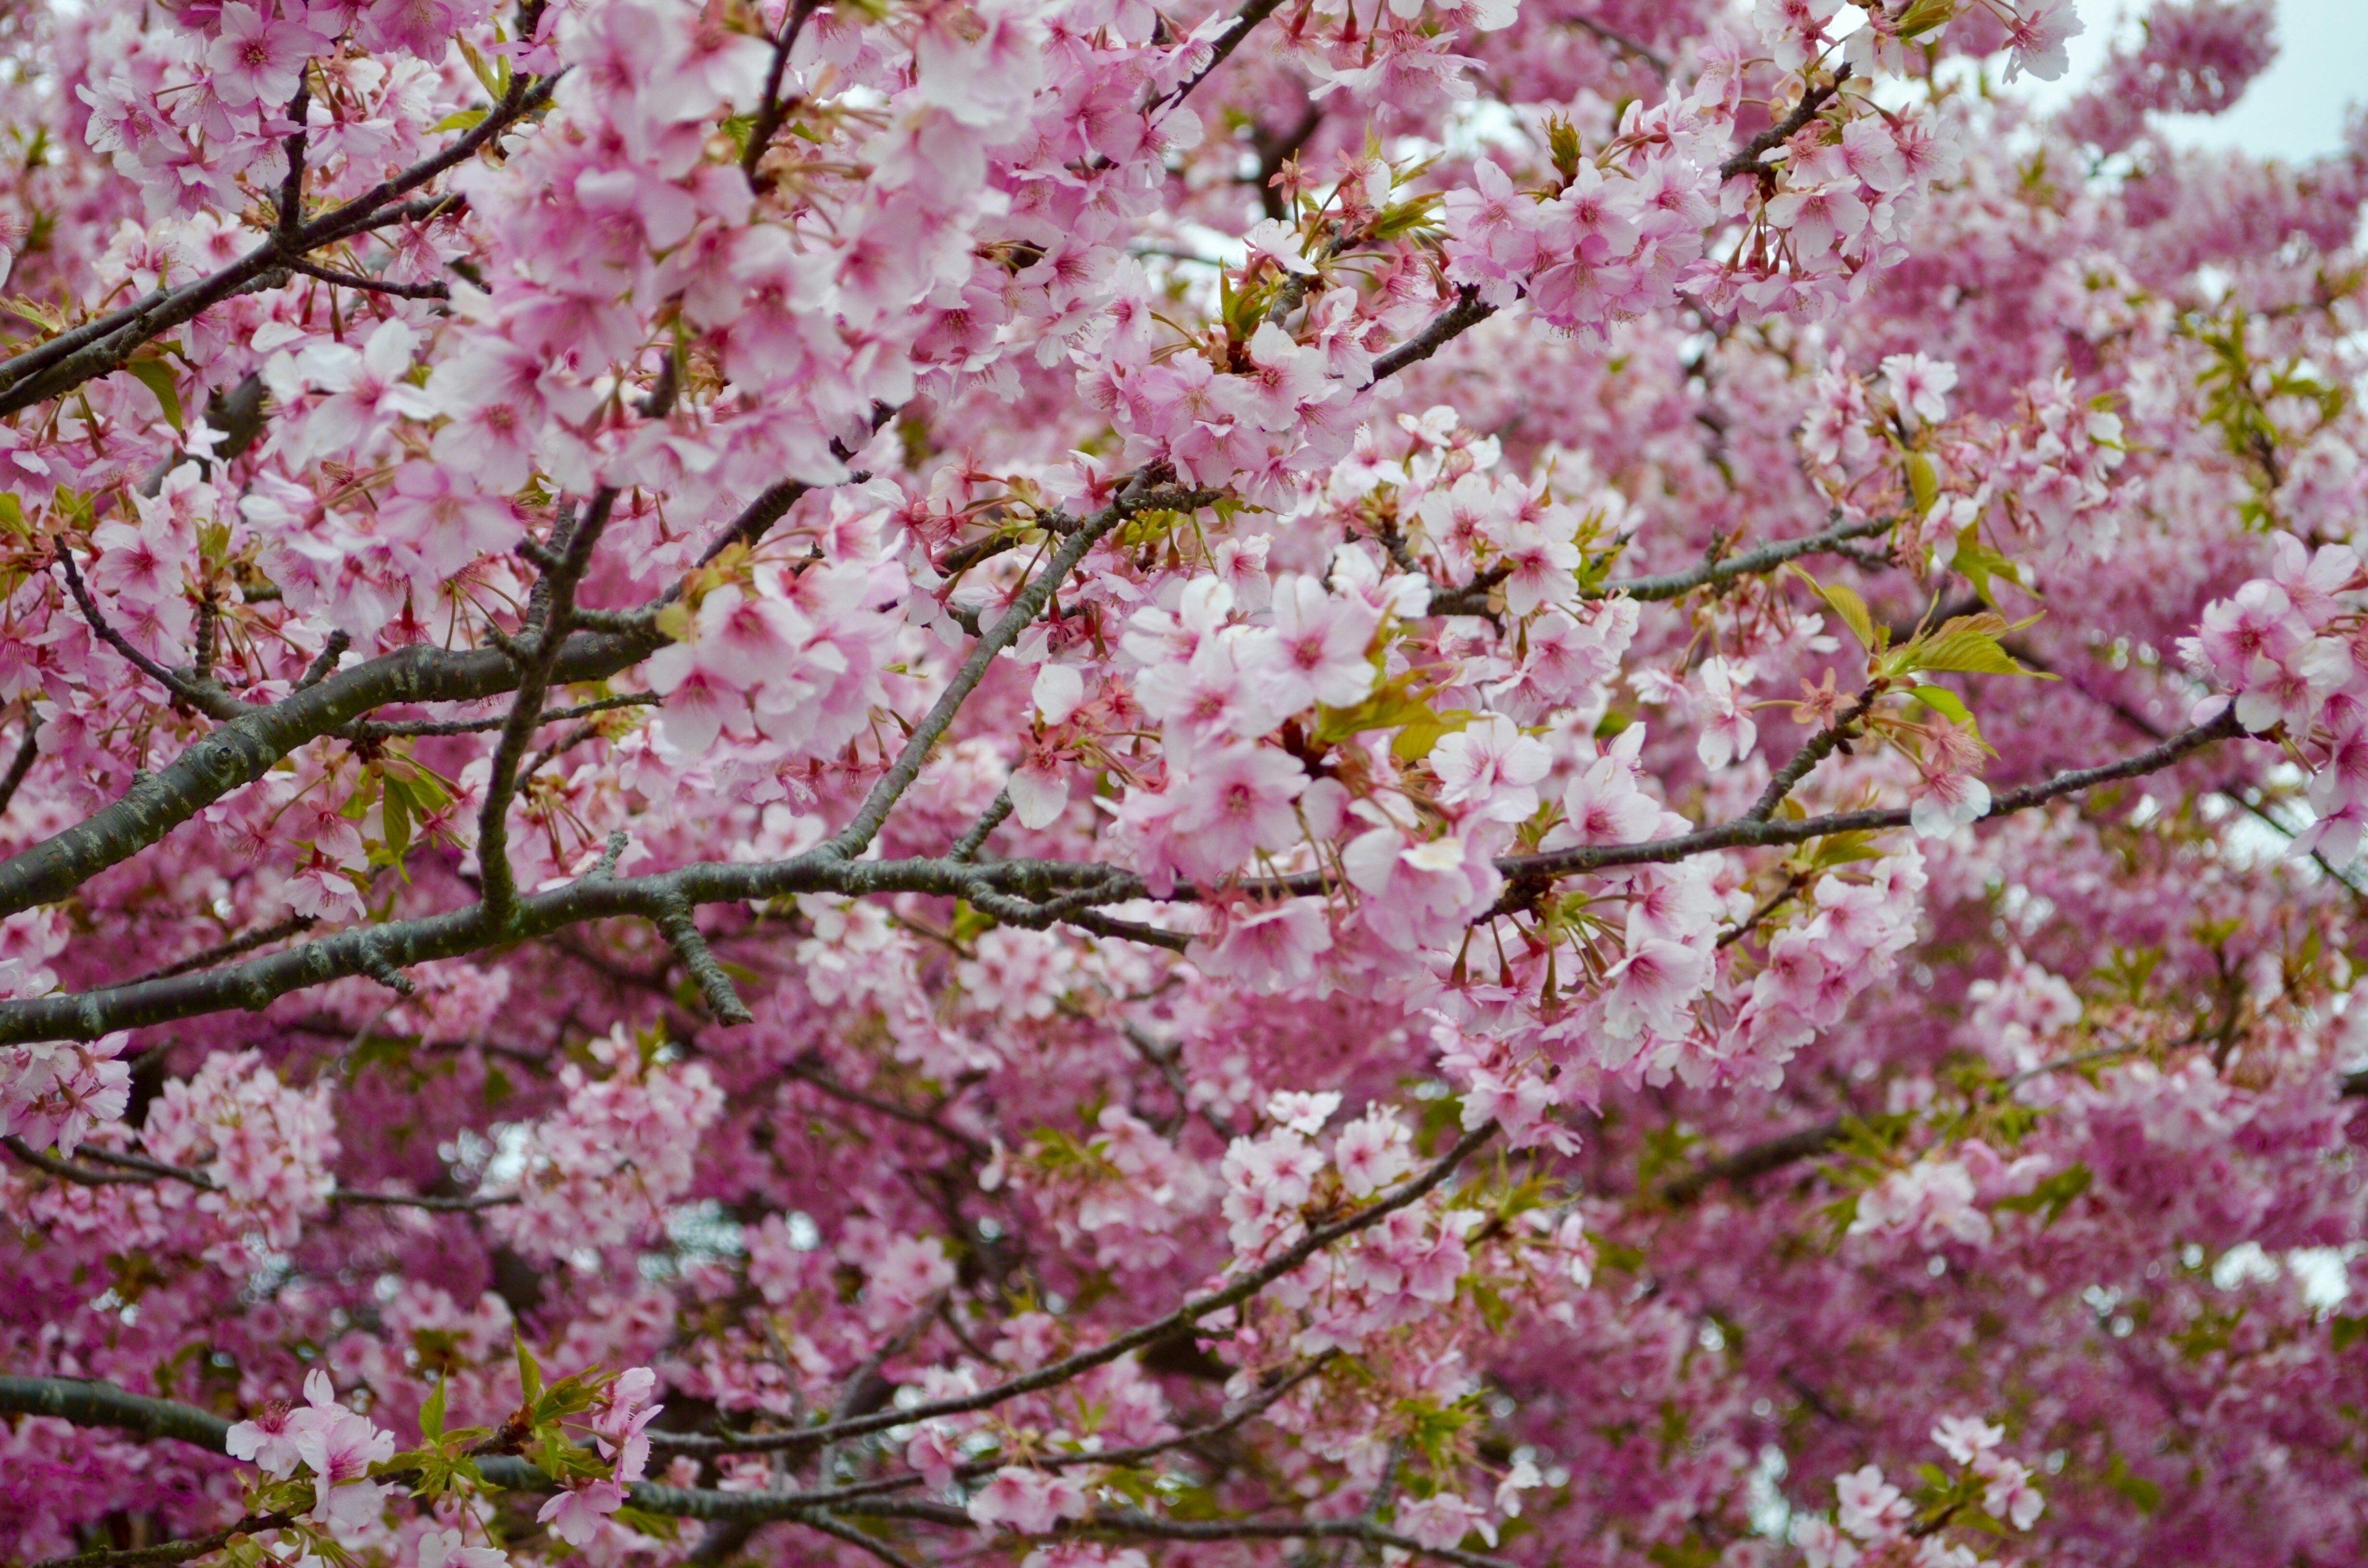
x: 254, y: 57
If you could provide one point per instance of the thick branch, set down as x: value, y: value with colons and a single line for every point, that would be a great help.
x: 165, y: 1552
x: 87, y: 1015
x: 87, y: 1403
x: 243, y: 749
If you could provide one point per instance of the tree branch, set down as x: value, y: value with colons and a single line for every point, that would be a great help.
x: 1061, y: 1372
x: 140, y: 1170
x: 96, y: 348
x: 211, y: 700
x: 550, y: 620
x: 367, y: 284
x: 1142, y: 493
x: 1744, y: 833
x: 243, y: 943
x: 1623, y: 44
x: 1472, y: 598
x: 1757, y: 1160
x: 770, y: 110
x: 1821, y: 745
x: 365, y: 950
x: 245, y: 748
x: 27, y: 750
x: 1466, y: 312
x: 170, y: 1551
x: 375, y: 730
x: 1244, y: 21
x: 1746, y: 160
x: 1751, y: 562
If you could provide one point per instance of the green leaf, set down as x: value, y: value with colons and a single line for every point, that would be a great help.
x: 529, y: 1372
x: 431, y: 1412
x: 1393, y: 705
x: 1924, y: 480
x: 568, y: 1396
x: 1841, y: 849
x: 1924, y: 15
x: 462, y: 120
x: 48, y: 318
x: 1413, y: 743
x: 1968, y: 644
x: 157, y: 376
x: 1951, y: 707
x: 2055, y: 1195
x: 1978, y: 564
x: 1948, y: 704
x: 395, y: 822
x: 2349, y: 1331
x: 2146, y: 1495
x: 649, y: 1524
x: 486, y: 77
x: 1850, y: 606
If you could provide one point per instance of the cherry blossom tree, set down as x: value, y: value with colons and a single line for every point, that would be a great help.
x: 1053, y: 782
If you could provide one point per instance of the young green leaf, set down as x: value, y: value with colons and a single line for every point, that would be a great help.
x: 529, y: 1372
x: 157, y: 376
x: 1846, y: 604
x: 1968, y: 644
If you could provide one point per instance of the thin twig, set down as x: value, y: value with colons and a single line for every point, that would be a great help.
x: 27, y: 750
x: 214, y: 703
x: 857, y: 1539
x: 238, y: 946
x: 367, y: 284
x: 375, y: 729
x: 1624, y: 44
x: 170, y: 1551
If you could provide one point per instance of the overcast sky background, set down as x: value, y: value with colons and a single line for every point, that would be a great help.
x: 2294, y: 109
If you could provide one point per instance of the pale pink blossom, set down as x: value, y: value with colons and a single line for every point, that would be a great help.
x: 1869, y: 1506
x: 258, y: 58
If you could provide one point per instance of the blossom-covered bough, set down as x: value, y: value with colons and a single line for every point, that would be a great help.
x: 1087, y: 785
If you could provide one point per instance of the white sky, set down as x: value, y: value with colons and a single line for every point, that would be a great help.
x: 2294, y: 109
